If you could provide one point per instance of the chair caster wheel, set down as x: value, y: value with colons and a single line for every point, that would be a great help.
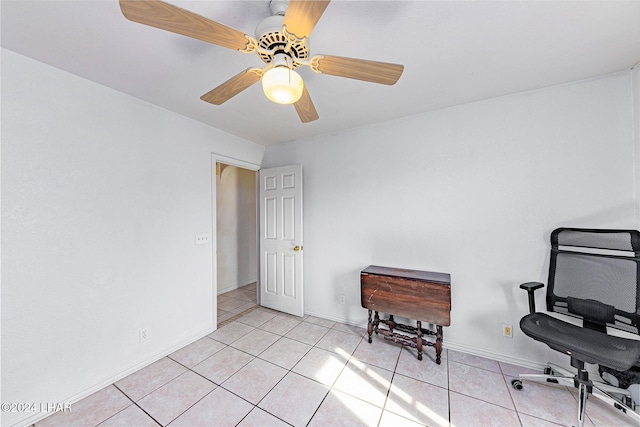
x: 629, y: 402
x: 517, y: 384
x: 549, y: 371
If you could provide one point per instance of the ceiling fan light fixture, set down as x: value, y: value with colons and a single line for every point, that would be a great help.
x: 282, y: 85
x: 281, y: 42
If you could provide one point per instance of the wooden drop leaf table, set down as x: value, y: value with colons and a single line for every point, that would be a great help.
x: 423, y: 296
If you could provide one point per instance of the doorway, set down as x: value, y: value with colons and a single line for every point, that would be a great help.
x: 236, y: 240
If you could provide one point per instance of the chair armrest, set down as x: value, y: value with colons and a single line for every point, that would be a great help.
x: 531, y: 287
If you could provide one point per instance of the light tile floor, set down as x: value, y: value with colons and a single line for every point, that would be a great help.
x: 263, y: 368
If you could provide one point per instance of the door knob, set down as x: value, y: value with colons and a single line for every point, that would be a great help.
x: 297, y: 248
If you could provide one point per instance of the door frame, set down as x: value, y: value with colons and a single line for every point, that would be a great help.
x: 231, y: 161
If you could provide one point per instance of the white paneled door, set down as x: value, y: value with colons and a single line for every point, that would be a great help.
x: 281, y: 239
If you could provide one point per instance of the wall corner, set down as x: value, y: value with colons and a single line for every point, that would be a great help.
x: 635, y: 87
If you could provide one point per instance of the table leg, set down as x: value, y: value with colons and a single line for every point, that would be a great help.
x: 438, y: 343
x: 419, y: 340
x: 369, y: 327
x: 391, y: 323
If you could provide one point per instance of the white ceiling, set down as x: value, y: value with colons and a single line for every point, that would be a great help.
x: 453, y: 53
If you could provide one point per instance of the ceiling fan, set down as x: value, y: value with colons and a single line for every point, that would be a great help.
x: 281, y: 42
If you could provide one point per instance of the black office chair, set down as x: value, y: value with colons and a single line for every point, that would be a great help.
x: 593, y: 275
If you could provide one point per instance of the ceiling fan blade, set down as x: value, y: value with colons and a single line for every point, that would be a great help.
x: 305, y: 108
x: 303, y: 15
x: 164, y: 16
x: 359, y: 69
x: 233, y: 86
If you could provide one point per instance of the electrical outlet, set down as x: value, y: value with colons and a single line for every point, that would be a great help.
x: 143, y: 334
x: 202, y: 238
x: 343, y: 299
x: 507, y: 331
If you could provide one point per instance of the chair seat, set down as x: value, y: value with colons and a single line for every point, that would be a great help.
x: 583, y: 344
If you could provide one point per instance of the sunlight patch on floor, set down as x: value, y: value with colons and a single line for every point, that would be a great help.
x: 431, y: 414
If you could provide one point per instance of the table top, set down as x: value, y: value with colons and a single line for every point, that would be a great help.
x: 426, y: 276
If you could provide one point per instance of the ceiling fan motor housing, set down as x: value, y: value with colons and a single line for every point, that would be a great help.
x: 278, y: 7
x: 270, y: 37
x: 282, y: 47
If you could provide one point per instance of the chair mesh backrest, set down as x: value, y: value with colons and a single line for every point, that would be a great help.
x: 600, y: 265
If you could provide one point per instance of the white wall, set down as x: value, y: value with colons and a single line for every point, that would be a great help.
x: 102, y: 195
x: 236, y: 225
x: 474, y: 191
x: 636, y: 120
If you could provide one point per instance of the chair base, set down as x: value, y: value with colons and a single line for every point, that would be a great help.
x: 605, y: 392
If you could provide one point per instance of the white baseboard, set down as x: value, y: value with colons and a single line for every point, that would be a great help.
x: 231, y: 288
x: 495, y: 356
x: 225, y: 290
x: 525, y: 363
x: 115, y: 377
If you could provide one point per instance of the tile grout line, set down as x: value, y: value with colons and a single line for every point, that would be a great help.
x: 227, y: 390
x: 237, y: 316
x: 135, y: 403
x: 508, y: 383
x: 449, y: 388
x: 334, y: 381
x: 266, y: 361
x: 289, y: 371
x: 394, y: 375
